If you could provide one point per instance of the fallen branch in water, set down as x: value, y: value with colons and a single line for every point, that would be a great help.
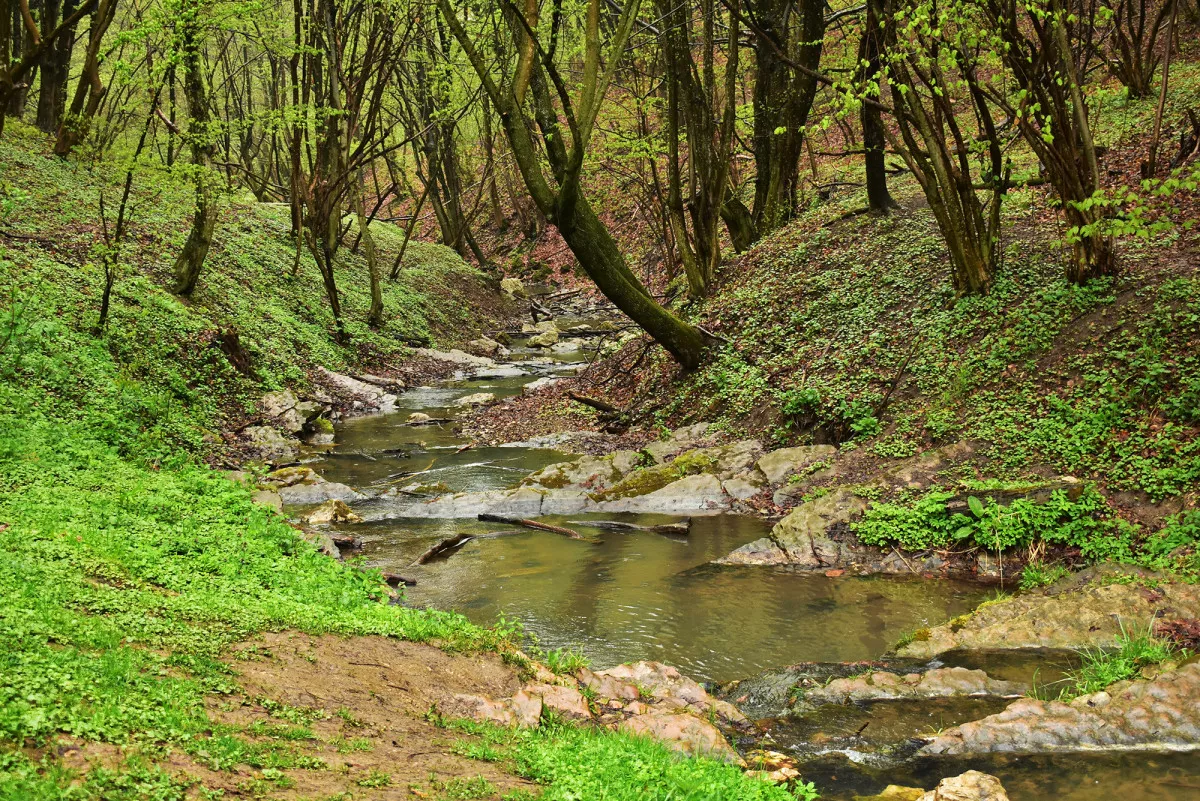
x: 442, y: 547
x: 618, y: 525
x: 457, y: 541
x: 395, y: 581
x: 519, y: 521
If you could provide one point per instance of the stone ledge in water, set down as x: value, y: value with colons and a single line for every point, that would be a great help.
x: 1088, y: 616
x: 969, y: 786
x: 361, y: 396
x: 1160, y: 713
x: 695, y: 495
x: 937, y: 683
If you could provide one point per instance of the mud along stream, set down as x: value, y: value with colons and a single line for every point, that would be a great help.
x: 638, y: 594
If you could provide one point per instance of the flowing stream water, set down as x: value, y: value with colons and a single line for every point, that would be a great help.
x: 641, y: 595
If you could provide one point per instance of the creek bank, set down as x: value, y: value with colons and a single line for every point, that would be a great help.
x: 1094, y: 609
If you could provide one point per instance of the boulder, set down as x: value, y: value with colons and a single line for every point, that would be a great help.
x: 1157, y: 713
x: 540, y: 383
x: 921, y: 470
x: 543, y: 340
x: 360, y: 395
x: 681, y: 439
x: 742, y: 487
x: 307, y: 494
x: 455, y: 356
x: 268, y: 498
x: 332, y: 511
x: 522, y: 502
x: 596, y: 473
x: 322, y: 540
x: 778, y: 466
x: 290, y: 476
x: 486, y: 346
x: 567, y: 702
x: 800, y: 538
x: 274, y: 404
x: 662, y: 684
x: 567, y: 346
x: 894, y: 792
x: 607, y: 687
x: 418, y: 418
x: 970, y: 786
x: 512, y: 287
x: 476, y: 399
x: 700, y: 494
x: 520, y: 710
x: 319, y: 432
x: 269, y: 444
x: 687, y: 734
x: 309, y: 410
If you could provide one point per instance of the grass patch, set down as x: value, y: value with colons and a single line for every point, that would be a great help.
x: 1103, y: 667
x: 620, y: 767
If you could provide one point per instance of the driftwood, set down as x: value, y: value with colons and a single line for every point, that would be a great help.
x: 446, y: 546
x: 617, y: 525
x: 395, y: 581
x: 534, y: 524
x: 432, y: 421
x: 345, y: 540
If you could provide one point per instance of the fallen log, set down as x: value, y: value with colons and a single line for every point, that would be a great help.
x: 534, y: 524
x: 395, y: 581
x: 617, y: 525
x: 595, y: 403
x: 345, y: 540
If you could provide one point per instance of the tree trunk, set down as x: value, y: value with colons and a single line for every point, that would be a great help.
x: 375, y: 314
x: 54, y: 66
x: 90, y: 90
x: 879, y: 200
x: 204, y: 220
x: 783, y: 97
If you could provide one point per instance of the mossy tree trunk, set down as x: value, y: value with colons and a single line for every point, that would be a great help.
x: 204, y: 217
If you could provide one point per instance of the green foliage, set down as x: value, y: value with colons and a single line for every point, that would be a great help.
x: 621, y: 767
x: 1040, y: 574
x: 564, y: 661
x: 1102, y: 668
x: 925, y: 522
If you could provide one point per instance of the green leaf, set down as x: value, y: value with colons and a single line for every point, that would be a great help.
x: 964, y: 532
x: 975, y: 505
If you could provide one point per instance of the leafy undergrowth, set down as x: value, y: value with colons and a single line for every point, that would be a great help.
x: 621, y: 767
x: 255, y: 322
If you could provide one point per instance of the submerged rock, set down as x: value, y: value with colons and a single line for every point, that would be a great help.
x: 1157, y: 713
x: 937, y: 683
x: 1092, y: 615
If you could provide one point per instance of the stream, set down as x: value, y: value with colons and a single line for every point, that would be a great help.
x: 642, y: 595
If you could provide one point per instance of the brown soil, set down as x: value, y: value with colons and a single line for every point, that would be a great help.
x: 370, y: 697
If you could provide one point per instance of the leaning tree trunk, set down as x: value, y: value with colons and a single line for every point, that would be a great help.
x: 191, y: 259
x: 90, y: 90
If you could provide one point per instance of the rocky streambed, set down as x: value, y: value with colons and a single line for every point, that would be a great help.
x: 728, y: 560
